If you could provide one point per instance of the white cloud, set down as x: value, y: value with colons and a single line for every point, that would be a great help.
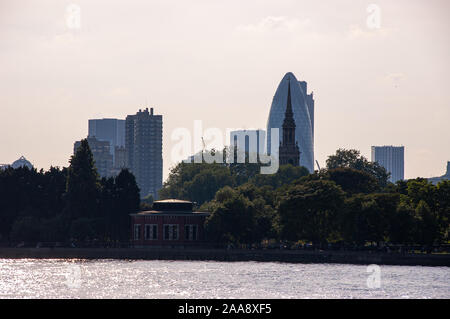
x: 356, y: 31
x: 275, y: 23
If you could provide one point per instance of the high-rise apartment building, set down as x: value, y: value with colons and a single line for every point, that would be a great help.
x: 392, y: 158
x: 143, y: 144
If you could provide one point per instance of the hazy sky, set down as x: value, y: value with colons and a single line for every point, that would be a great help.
x: 221, y: 62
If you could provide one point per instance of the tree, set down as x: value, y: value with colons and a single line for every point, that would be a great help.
x: 206, y: 183
x: 353, y: 159
x: 127, y: 202
x: 428, y: 227
x: 368, y: 217
x: 442, y: 204
x: 353, y: 181
x: 309, y: 211
x: 285, y: 175
x: 26, y: 229
x: 197, y: 182
x: 402, y: 224
x: 81, y: 229
x: 83, y: 187
x: 232, y: 220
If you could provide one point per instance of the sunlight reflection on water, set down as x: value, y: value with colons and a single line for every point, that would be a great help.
x: 57, y: 278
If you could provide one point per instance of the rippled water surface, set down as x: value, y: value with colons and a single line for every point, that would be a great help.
x: 52, y: 278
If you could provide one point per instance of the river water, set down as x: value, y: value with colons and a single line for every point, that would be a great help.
x: 56, y: 278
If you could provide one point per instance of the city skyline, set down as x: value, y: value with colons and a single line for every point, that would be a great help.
x: 56, y: 77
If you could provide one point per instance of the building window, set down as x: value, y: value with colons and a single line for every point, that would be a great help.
x: 155, y: 232
x: 190, y: 232
x: 170, y: 232
x: 137, y: 231
x: 151, y: 232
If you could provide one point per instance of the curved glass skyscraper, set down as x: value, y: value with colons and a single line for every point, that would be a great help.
x: 303, y: 109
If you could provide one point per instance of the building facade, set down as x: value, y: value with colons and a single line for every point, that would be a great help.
x: 249, y: 141
x: 21, y: 162
x: 103, y: 160
x: 392, y: 158
x: 111, y: 130
x: 303, y: 114
x: 289, y: 152
x: 143, y: 144
x: 170, y: 223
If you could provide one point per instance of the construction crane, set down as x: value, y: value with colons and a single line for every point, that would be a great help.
x: 318, y: 164
x: 204, y: 145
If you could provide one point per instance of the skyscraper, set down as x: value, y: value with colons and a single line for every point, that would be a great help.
x: 392, y: 158
x: 289, y: 152
x: 250, y: 141
x: 143, y: 144
x: 111, y: 130
x: 303, y: 114
x: 101, y: 153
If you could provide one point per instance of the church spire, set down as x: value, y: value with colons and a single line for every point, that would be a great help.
x: 289, y: 152
x: 289, y: 115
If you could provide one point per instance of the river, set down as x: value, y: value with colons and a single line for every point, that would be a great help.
x: 62, y: 278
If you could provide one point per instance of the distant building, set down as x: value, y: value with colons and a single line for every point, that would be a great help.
x: 120, y: 162
x: 392, y: 158
x: 303, y: 114
x: 289, y: 152
x: 21, y: 162
x: 250, y: 141
x: 143, y: 144
x: 111, y: 130
x: 436, y: 180
x: 102, y: 155
x: 170, y: 222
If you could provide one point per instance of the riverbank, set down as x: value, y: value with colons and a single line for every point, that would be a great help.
x: 289, y: 256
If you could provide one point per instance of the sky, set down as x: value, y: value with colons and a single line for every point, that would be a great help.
x: 379, y: 71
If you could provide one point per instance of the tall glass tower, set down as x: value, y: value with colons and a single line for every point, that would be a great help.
x: 303, y: 109
x: 111, y: 130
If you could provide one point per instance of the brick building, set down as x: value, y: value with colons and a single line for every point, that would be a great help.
x: 171, y: 222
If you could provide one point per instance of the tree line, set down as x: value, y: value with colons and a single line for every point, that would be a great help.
x: 71, y: 204
x: 349, y: 203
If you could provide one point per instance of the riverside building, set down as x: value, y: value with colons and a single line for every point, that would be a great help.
x: 171, y: 222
